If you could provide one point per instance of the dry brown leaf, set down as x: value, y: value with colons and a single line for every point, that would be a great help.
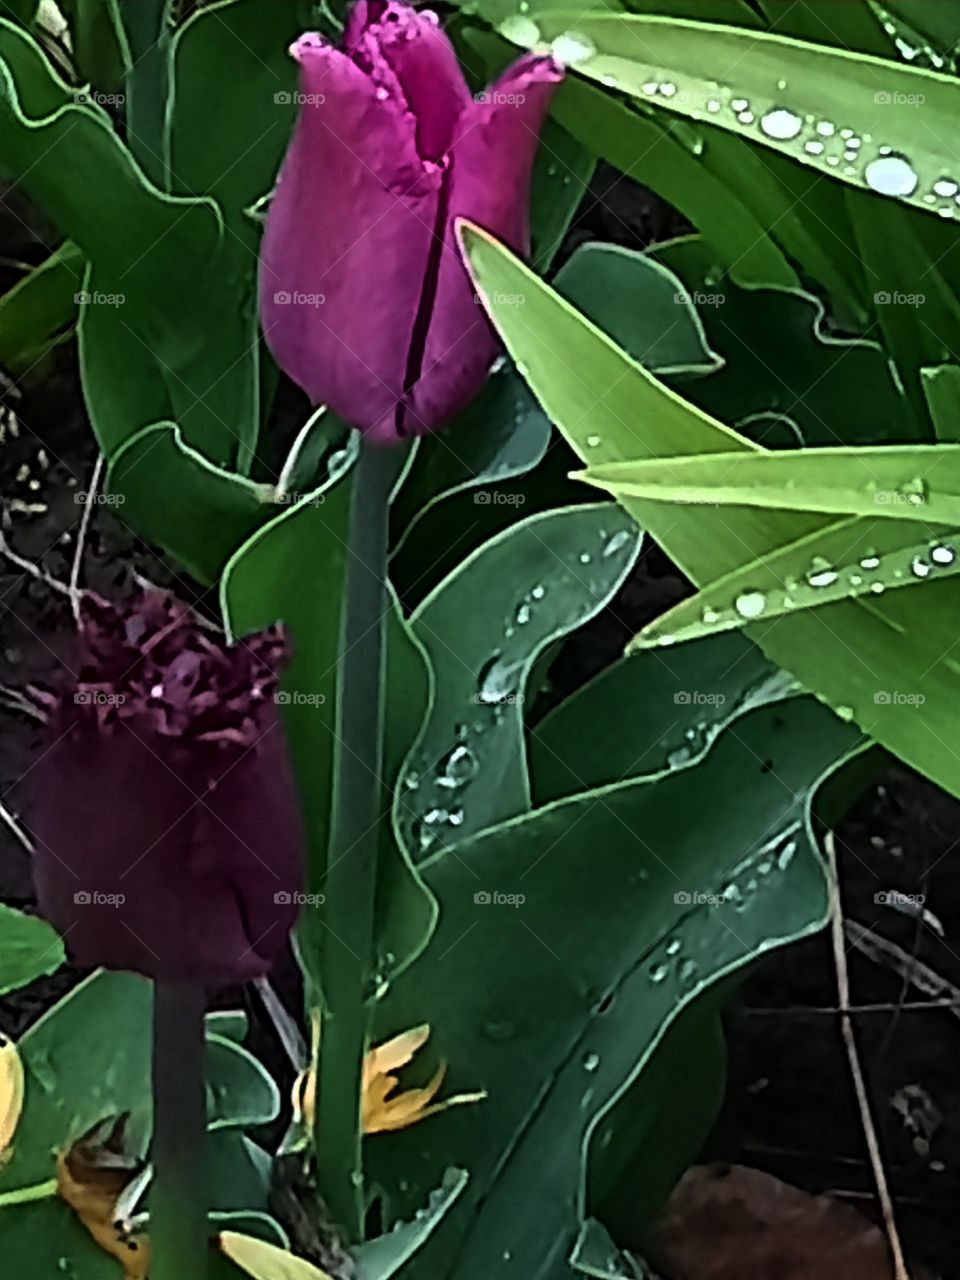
x: 730, y: 1222
x: 91, y: 1176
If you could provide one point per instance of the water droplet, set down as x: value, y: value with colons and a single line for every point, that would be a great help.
x: 877, y: 588
x: 667, y: 89
x: 522, y: 615
x: 739, y: 104
x: 616, y: 543
x: 945, y: 187
x: 781, y: 123
x: 750, y: 604
x: 497, y: 680
x: 572, y: 47
x: 746, y: 117
x: 592, y: 441
x: 813, y: 148
x: 650, y: 87
x: 943, y: 555
x: 522, y: 31
x: 591, y: 1061
x: 659, y: 971
x: 891, y: 176
x: 457, y: 768
x: 822, y: 574
x: 673, y: 946
x: 585, y: 557
x: 713, y: 106
x: 688, y: 974
x: 915, y: 491
x: 919, y: 567
x: 826, y: 128
x: 709, y: 616
x: 382, y: 94
x: 870, y: 561
x: 539, y: 591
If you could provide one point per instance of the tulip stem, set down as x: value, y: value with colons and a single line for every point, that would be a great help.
x: 350, y: 884
x: 178, y: 1198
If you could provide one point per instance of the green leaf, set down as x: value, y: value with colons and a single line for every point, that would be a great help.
x: 232, y: 70
x: 99, y: 41
x: 851, y: 25
x: 382, y: 1257
x: 157, y: 285
x: 733, y: 78
x: 904, y: 482
x: 29, y: 949
x: 848, y: 560
x: 611, y: 410
x: 780, y: 357
x: 941, y: 386
x: 178, y: 500
x: 39, y: 309
x: 573, y: 1012
x: 482, y: 629
x: 653, y: 712
x: 241, y: 1094
x: 562, y: 171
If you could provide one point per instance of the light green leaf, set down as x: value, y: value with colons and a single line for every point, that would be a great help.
x: 796, y: 98
x: 29, y: 949
x: 39, y: 309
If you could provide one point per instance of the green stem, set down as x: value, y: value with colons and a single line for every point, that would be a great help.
x: 178, y: 1198
x: 351, y: 880
x: 26, y: 1195
x: 149, y: 36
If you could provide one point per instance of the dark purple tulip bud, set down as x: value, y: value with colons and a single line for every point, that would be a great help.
x: 166, y: 820
x: 364, y: 297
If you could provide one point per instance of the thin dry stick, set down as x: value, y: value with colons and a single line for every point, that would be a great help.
x: 863, y: 1102
x: 75, y: 592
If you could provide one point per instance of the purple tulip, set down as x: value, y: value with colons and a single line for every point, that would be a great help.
x: 364, y: 297
x: 166, y: 820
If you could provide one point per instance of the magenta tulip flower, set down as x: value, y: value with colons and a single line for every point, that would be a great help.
x: 168, y: 837
x: 364, y: 296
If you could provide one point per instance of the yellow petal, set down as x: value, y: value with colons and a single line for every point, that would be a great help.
x: 91, y: 1187
x: 382, y: 1112
x: 392, y: 1054
x: 265, y: 1261
x: 11, y: 1093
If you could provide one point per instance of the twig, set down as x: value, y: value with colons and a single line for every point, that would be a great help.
x: 863, y: 1102
x: 76, y: 567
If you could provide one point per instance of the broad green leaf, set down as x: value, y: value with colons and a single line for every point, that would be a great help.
x: 562, y: 171
x: 573, y: 1012
x: 653, y: 712
x: 29, y: 949
x: 482, y: 629
x: 656, y: 154
x: 611, y: 410
x: 941, y: 386
x: 781, y: 358
x: 935, y: 19
x: 99, y: 41
x: 851, y: 25
x: 904, y: 482
x: 156, y: 284
x: 240, y: 1092
x: 232, y: 70
x: 858, y: 558
x: 148, y: 29
x: 595, y: 1254
x: 178, y: 500
x: 640, y: 305
x: 39, y: 309
x: 803, y: 100
x: 382, y: 1257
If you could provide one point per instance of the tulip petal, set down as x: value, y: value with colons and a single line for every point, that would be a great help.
x: 492, y: 167
x: 11, y: 1094
x: 348, y: 236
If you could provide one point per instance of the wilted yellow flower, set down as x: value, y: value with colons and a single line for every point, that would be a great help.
x: 11, y: 1094
x: 382, y: 1108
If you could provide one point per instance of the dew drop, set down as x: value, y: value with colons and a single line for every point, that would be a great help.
x: 522, y: 31
x: 781, y: 124
x: 822, y: 574
x: 457, y: 768
x: 616, y: 543
x: 813, y: 148
x: 592, y: 441
x: 945, y: 187
x: 673, y: 946
x: 688, y: 974
x: 713, y: 106
x: 919, y: 567
x: 891, y: 175
x: 750, y: 604
x: 826, y: 128
x: 591, y: 1061
x: 915, y: 491
x: 667, y: 89
x: 746, y: 117
x: 585, y: 557
x: 943, y: 555
x: 658, y: 972
x: 572, y: 47
x: 522, y: 615
x: 870, y: 561
x: 538, y: 592
x: 739, y: 104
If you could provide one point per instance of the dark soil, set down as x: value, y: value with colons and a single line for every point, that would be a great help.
x: 790, y: 1106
